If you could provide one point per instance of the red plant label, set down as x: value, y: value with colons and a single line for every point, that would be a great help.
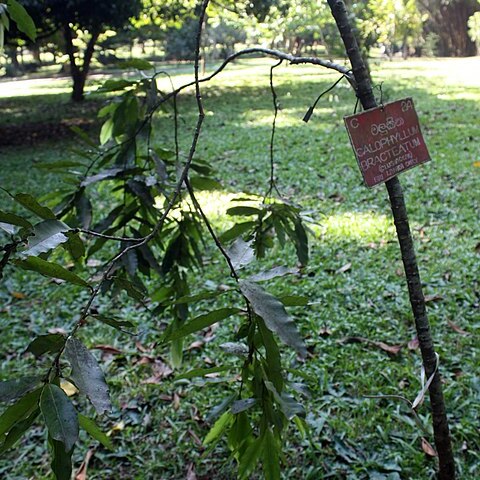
x: 387, y: 140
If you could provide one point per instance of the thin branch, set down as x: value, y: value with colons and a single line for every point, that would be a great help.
x: 106, y: 237
x: 272, y: 138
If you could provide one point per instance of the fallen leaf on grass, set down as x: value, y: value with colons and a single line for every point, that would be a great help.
x: 457, y: 329
x: 197, y: 440
x: 18, y: 295
x: 82, y: 471
x: 176, y: 401
x: 433, y: 298
x: 413, y: 344
x: 324, y: 332
x: 108, y: 349
x: 160, y: 371
x: 344, y: 269
x: 428, y: 449
x: 392, y: 349
x: 191, y: 475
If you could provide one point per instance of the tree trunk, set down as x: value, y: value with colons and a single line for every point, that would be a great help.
x: 79, y: 73
x: 417, y: 300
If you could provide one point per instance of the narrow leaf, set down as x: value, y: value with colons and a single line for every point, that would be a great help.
x: 273, y: 273
x: 17, y: 431
x: 13, y: 389
x: 201, y: 372
x: 218, y: 428
x: 137, y: 63
x: 201, y: 322
x: 87, y: 375
x: 19, y: 411
x: 242, y: 405
x: 61, y: 461
x: 30, y: 203
x: 60, y: 416
x: 274, y: 314
x: 243, y: 211
x: 50, y: 269
x: 114, y: 322
x: 12, y: 219
x: 270, y: 457
x: 250, y: 458
x: 92, y: 429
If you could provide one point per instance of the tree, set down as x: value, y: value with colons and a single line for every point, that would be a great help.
x: 80, y: 20
x: 448, y: 19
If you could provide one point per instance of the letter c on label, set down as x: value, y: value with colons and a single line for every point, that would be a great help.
x: 354, y: 123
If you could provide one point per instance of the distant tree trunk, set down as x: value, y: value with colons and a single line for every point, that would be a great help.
x: 79, y: 73
x: 449, y: 22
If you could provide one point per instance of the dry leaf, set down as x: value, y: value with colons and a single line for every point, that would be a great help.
x: 428, y: 449
x: 196, y: 345
x: 344, y: 269
x: 191, y: 475
x: 69, y: 388
x: 476, y: 164
x: 59, y: 330
x: 457, y: 329
x: 433, y: 298
x: 108, y: 349
x: 325, y: 332
x: 82, y: 471
x: 176, y: 401
x: 197, y: 440
x: 18, y: 295
x: 413, y: 344
x: 141, y: 348
x: 392, y: 349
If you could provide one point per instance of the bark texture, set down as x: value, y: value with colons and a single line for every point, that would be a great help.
x: 417, y: 300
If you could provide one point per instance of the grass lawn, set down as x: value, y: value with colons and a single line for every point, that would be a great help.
x: 354, y: 279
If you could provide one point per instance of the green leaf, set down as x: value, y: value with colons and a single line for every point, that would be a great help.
x: 13, y: 389
x: 30, y: 203
x: 105, y: 135
x: 241, y: 405
x: 60, y: 165
x: 301, y: 242
x: 75, y: 246
x: 241, y: 253
x: 92, y: 429
x: 51, y: 343
x: 270, y: 457
x: 115, y: 85
x: 50, y: 269
x: 219, y: 409
x: 61, y: 461
x: 47, y: 235
x: 87, y: 375
x: 137, y: 63
x: 201, y: 322
x: 248, y: 461
x: 19, y: 411
x: 205, y: 183
x: 218, y: 428
x: 60, y: 416
x: 12, y: 219
x: 199, y: 296
x: 244, y: 211
x: 289, y: 406
x: 273, y: 364
x: 105, y: 175
x: 294, y: 301
x: 273, y: 273
x: 236, y: 231
x: 23, y: 20
x: 17, y: 431
x: 132, y: 290
x: 113, y: 322
x: 274, y: 314
x: 201, y: 372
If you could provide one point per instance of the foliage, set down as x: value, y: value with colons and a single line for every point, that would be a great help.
x: 474, y: 28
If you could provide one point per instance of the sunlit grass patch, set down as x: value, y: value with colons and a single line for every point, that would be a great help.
x: 366, y: 226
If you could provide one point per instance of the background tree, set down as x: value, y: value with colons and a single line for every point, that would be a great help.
x: 448, y: 19
x: 77, y: 21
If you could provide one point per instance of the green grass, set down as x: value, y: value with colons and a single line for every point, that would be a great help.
x: 351, y: 436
